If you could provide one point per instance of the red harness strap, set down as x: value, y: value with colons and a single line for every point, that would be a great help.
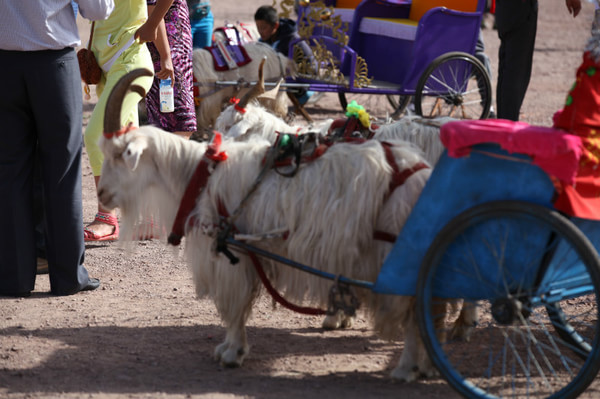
x: 195, y: 186
x: 265, y: 280
x: 398, y: 178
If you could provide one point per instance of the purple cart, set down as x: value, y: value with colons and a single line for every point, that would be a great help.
x: 429, y: 62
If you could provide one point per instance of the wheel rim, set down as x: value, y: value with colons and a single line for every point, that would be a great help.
x: 399, y: 104
x: 455, y: 85
x: 516, y: 350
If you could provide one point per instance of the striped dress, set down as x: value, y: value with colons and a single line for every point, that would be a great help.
x: 183, y: 119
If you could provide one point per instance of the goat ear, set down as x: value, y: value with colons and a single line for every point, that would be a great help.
x: 133, y: 152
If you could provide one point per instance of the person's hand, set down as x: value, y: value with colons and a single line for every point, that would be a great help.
x: 574, y: 6
x: 146, y: 33
x: 166, y: 70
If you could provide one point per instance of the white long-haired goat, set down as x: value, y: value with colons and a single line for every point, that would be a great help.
x: 146, y: 173
x: 213, y: 99
x: 247, y: 120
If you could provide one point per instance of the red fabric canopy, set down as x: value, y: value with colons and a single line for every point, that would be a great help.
x: 581, y: 117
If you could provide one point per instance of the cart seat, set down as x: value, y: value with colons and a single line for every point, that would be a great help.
x: 556, y: 151
x: 406, y: 28
x: 345, y: 9
x: 396, y: 28
x: 346, y: 14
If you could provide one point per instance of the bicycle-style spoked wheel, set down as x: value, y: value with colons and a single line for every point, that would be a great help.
x: 532, y: 326
x: 455, y: 84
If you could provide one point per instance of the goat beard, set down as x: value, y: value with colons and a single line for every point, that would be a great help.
x: 148, y: 216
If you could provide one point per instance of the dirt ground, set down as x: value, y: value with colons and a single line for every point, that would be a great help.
x: 143, y: 334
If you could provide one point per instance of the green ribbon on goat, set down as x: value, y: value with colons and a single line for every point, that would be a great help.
x: 358, y: 111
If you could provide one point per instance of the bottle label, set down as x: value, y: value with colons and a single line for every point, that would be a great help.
x: 167, y: 102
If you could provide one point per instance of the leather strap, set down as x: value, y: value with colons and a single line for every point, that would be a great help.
x: 91, y: 35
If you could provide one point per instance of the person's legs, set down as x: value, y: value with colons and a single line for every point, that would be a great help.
x: 485, y: 60
x: 202, y: 31
x: 17, y: 148
x: 39, y: 217
x: 481, y: 55
x: 137, y: 56
x: 59, y: 124
x: 517, y: 25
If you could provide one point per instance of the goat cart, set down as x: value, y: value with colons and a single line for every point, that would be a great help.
x: 499, y: 252
x: 420, y: 52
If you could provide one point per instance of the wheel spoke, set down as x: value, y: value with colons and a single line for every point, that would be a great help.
x: 450, y: 78
x: 522, y: 345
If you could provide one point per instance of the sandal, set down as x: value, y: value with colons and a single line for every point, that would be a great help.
x: 106, y: 218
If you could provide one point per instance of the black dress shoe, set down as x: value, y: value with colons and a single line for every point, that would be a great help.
x: 24, y: 294
x: 92, y: 284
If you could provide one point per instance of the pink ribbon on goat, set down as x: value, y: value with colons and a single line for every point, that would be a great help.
x: 212, y: 156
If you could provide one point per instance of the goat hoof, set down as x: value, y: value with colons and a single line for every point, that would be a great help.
x: 229, y: 356
x: 219, y: 350
x: 338, y: 320
x: 430, y: 373
x: 347, y: 322
x: 331, y: 323
x: 461, y: 332
x: 402, y: 374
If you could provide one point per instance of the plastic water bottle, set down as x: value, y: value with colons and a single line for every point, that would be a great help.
x: 167, y: 102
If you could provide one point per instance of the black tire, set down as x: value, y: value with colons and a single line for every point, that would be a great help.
x: 455, y: 84
x: 399, y: 103
x: 516, y: 349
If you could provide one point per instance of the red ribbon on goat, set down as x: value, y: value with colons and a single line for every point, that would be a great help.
x: 236, y: 101
x: 122, y: 131
x: 195, y: 186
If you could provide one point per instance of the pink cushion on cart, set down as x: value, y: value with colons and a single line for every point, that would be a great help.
x: 556, y: 151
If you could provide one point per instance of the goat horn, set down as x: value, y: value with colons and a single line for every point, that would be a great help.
x: 138, y: 89
x: 258, y: 89
x: 272, y: 94
x: 112, y: 113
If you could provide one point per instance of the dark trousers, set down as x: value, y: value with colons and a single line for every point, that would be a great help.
x: 41, y: 105
x: 516, y: 21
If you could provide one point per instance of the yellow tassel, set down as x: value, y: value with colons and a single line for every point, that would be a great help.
x: 86, y: 90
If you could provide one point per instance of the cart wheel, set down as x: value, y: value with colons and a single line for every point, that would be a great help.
x: 455, y: 84
x: 378, y: 106
x: 491, y: 255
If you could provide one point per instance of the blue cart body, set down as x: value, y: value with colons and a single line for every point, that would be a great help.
x: 457, y: 184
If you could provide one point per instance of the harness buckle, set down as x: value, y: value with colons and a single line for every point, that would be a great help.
x: 222, y: 244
